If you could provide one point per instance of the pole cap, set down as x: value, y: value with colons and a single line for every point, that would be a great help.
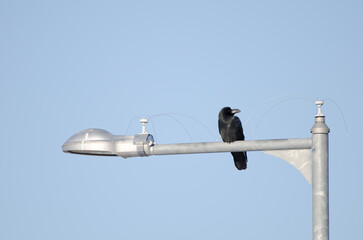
x: 320, y: 126
x: 319, y: 103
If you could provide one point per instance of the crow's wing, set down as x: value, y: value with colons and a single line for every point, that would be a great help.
x: 236, y: 128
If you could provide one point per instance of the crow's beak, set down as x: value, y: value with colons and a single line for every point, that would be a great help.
x: 234, y: 111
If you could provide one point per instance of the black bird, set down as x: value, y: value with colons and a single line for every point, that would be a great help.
x: 231, y: 130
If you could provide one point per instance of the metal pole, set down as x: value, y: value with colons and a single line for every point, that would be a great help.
x: 320, y: 169
x: 214, y: 147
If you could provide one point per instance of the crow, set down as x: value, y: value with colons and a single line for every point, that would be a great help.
x: 230, y: 129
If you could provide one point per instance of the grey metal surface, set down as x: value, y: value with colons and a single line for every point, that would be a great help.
x: 90, y: 142
x: 102, y: 143
x: 320, y: 189
x: 214, y: 147
x: 133, y: 146
x: 300, y: 159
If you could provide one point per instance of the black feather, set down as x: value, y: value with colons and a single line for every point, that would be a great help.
x: 230, y: 129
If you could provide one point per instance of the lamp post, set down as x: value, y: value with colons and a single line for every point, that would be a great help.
x: 320, y: 170
x: 309, y: 155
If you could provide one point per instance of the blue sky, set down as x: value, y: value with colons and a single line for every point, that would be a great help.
x: 66, y: 66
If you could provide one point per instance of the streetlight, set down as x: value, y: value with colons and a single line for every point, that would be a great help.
x: 309, y: 155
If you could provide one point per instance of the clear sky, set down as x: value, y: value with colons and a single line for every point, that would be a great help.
x: 66, y: 66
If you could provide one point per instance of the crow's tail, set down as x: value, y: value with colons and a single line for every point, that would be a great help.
x: 240, y: 160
